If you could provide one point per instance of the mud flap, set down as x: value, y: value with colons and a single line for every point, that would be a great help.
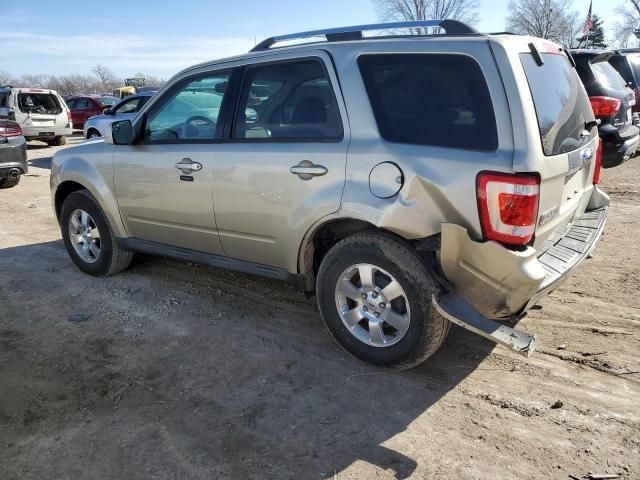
x: 454, y: 308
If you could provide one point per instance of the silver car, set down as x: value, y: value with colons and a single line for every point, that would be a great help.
x: 126, y: 109
x: 408, y: 182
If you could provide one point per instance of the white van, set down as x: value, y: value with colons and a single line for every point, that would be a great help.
x: 42, y: 113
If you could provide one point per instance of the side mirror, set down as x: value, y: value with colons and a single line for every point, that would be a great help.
x: 107, y: 111
x: 120, y: 133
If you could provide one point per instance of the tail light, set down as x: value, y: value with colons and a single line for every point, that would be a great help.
x: 508, y: 206
x: 598, y: 167
x: 636, y: 107
x: 10, y: 130
x: 69, y: 116
x: 605, y: 107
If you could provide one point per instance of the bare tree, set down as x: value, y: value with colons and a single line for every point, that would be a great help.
x: 6, y: 79
x: 38, y: 80
x: 624, y: 29
x: 410, y: 10
x: 549, y: 19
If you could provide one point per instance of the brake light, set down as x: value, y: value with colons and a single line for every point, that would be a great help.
x: 636, y: 107
x: 69, y: 116
x: 605, y: 107
x: 10, y: 130
x: 598, y: 167
x: 508, y: 206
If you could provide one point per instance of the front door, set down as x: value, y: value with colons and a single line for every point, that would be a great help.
x: 283, y: 165
x: 164, y: 182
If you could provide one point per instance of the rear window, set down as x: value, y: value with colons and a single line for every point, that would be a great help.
x: 430, y: 99
x: 39, y: 103
x: 607, y: 75
x: 108, y: 101
x: 562, y: 105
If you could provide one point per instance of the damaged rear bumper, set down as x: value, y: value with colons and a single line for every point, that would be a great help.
x: 500, y: 283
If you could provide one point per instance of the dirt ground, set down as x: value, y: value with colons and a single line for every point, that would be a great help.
x: 181, y: 371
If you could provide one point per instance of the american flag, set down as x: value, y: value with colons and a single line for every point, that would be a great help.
x: 588, y: 24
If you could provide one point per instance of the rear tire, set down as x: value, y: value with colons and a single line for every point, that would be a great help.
x: 103, y: 257
x: 57, y: 141
x: 415, y: 331
x: 9, y: 182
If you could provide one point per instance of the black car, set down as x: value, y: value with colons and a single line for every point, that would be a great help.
x: 13, y: 151
x: 627, y: 63
x: 612, y: 101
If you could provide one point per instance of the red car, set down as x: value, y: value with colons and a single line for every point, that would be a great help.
x: 85, y: 106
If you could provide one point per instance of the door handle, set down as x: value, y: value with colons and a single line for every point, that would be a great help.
x: 188, y: 166
x: 306, y: 170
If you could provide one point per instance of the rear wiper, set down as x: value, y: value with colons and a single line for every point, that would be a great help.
x: 591, y: 124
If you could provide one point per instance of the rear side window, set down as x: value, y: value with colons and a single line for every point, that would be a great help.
x: 288, y: 101
x: 607, y: 75
x: 45, y: 103
x: 430, y: 99
x: 3, y: 99
x: 561, y: 102
x: 634, y: 60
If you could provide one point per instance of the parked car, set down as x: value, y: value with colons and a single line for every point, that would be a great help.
x: 127, y: 108
x: 407, y: 181
x: 41, y: 113
x: 13, y: 151
x: 87, y: 106
x: 612, y: 102
x: 627, y: 63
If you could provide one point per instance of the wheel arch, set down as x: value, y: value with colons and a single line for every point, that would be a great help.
x: 324, y: 235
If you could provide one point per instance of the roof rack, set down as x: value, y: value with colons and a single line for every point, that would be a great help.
x: 342, y: 34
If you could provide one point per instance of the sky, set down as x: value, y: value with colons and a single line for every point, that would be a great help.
x: 162, y: 37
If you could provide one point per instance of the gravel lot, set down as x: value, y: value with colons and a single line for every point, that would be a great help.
x: 183, y: 371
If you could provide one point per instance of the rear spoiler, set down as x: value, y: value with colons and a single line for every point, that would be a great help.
x: 603, y: 57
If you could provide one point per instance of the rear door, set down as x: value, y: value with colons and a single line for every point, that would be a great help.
x: 567, y: 134
x: 282, y: 166
x: 164, y: 182
x: 40, y: 108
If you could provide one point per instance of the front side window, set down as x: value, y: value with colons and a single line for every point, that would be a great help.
x: 437, y: 100
x: 191, y: 111
x: 288, y: 101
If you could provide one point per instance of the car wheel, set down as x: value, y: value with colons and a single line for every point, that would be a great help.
x: 88, y: 237
x: 374, y: 294
x: 57, y: 141
x: 10, y: 182
x: 93, y: 134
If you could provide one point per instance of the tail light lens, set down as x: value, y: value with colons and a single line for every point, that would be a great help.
x: 636, y: 107
x: 508, y: 207
x: 605, y: 107
x: 598, y: 168
x: 69, y: 116
x: 10, y: 130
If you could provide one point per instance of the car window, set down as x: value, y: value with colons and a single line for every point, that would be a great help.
x: 607, y: 75
x: 3, y: 99
x: 622, y: 64
x: 561, y: 102
x: 71, y: 104
x: 425, y: 99
x: 42, y: 103
x: 128, y: 106
x: 190, y: 112
x: 107, y: 101
x: 80, y: 103
x: 634, y: 61
x: 288, y: 100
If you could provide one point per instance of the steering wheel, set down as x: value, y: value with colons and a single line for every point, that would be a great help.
x: 190, y: 130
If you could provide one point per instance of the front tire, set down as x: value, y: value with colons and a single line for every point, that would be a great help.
x: 88, y: 237
x: 374, y: 294
x: 91, y: 134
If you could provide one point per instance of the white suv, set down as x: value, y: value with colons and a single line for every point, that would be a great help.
x: 41, y: 113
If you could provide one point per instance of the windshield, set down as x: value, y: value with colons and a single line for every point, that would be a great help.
x: 108, y: 101
x: 561, y: 102
x: 607, y: 75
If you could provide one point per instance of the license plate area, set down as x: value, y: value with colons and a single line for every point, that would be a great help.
x: 46, y: 134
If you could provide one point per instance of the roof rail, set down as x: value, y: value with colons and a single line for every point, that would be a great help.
x: 341, y: 34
